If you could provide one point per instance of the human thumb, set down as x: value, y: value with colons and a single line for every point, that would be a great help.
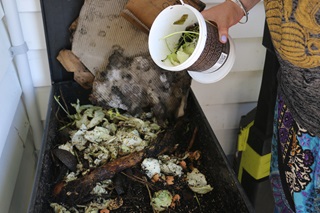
x: 223, y: 35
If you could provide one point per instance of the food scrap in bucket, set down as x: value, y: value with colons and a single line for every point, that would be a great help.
x: 182, y: 20
x: 185, y: 45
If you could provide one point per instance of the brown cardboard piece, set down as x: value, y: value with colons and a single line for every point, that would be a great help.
x: 143, y: 13
x: 101, y: 28
x: 72, y: 64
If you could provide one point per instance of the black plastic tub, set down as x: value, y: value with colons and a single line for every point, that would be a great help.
x: 227, y: 195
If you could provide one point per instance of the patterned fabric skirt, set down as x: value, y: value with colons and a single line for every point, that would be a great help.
x: 295, y: 164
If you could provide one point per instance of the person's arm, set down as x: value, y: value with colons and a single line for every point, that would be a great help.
x: 227, y: 14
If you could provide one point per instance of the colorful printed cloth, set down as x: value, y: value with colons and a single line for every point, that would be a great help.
x: 295, y: 164
x: 295, y: 31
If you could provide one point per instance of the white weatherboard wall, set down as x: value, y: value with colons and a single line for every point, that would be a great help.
x: 16, y: 145
x: 226, y: 101
x: 223, y: 102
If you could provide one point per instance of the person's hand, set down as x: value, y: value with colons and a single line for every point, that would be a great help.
x: 224, y: 15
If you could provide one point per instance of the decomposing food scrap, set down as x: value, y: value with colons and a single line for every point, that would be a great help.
x: 103, y: 144
x: 163, y: 165
x: 197, y: 182
x: 181, y: 20
x: 185, y: 45
x: 161, y: 200
x: 151, y: 166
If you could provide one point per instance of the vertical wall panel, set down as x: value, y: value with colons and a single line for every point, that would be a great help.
x: 28, y: 5
x: 250, y: 54
x: 10, y: 95
x: 11, y: 156
x: 236, y: 87
x: 39, y: 66
x: 254, y: 26
x: 5, y: 57
x: 33, y: 32
x: 23, y: 187
x: 226, y: 101
x: 1, y: 11
x: 43, y: 97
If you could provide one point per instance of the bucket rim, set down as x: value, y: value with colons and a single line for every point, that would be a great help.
x: 200, y: 43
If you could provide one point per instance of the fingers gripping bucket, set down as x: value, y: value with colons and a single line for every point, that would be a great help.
x: 210, y: 60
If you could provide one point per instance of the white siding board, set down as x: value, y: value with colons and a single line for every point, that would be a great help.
x: 23, y: 188
x: 5, y: 57
x: 9, y: 172
x: 39, y: 66
x: 228, y: 139
x: 28, y: 5
x: 224, y: 120
x: 253, y: 28
x: 11, y: 156
x: 33, y: 31
x: 249, y: 54
x: 42, y: 94
x: 1, y: 11
x: 234, y: 88
x: 227, y: 116
x: 11, y: 93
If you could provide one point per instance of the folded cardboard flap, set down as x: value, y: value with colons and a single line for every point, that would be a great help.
x: 72, y: 64
x: 143, y: 13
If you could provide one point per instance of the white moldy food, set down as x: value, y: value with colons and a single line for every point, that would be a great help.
x: 169, y: 166
x: 164, y: 164
x: 151, y: 166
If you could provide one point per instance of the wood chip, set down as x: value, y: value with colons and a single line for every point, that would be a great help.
x: 72, y: 64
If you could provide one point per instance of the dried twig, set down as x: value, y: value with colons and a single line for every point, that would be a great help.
x: 138, y: 179
x: 149, y: 192
x: 195, y: 131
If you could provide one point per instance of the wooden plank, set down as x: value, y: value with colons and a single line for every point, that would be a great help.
x: 236, y: 87
x: 32, y: 27
x: 38, y: 61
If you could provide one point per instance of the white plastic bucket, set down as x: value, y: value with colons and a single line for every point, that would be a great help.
x: 159, y: 47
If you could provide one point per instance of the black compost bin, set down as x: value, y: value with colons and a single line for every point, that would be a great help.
x: 227, y: 195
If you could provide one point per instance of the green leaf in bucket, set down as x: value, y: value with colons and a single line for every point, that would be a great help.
x: 171, y: 59
x: 184, y: 47
x: 182, y: 56
x: 181, y: 20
